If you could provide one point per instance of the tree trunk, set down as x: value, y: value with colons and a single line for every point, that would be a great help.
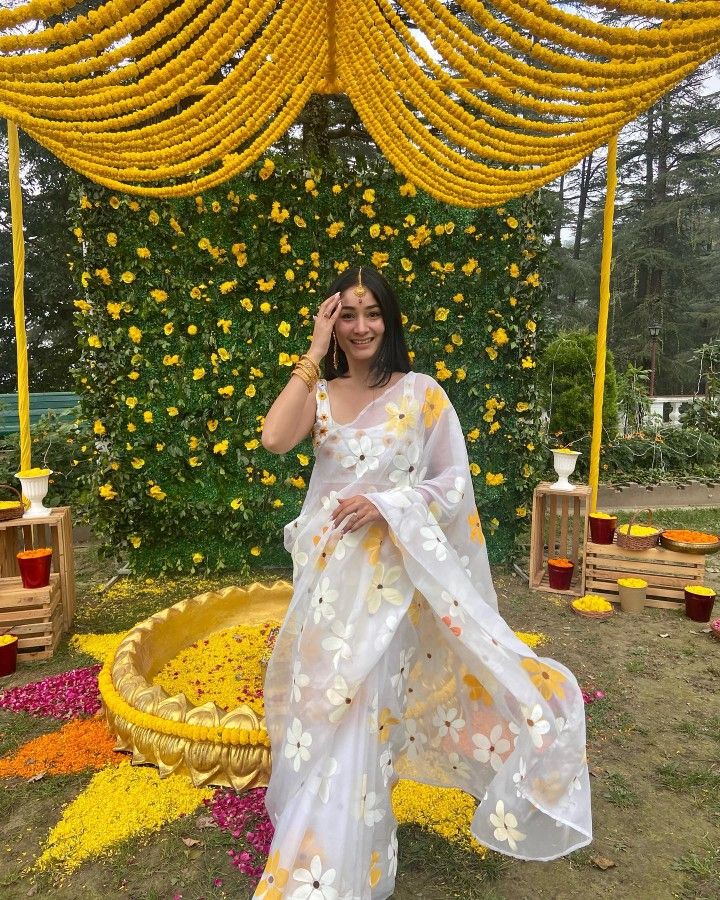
x: 315, y: 121
x: 643, y: 273
x: 561, y: 209
x: 585, y: 173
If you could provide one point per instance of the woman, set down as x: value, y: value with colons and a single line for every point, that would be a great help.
x: 392, y: 660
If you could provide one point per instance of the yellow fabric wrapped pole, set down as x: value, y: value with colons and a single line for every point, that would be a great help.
x: 16, y: 213
x: 604, y: 306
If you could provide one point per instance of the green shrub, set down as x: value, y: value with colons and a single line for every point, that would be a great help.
x: 181, y: 298
x: 566, y: 379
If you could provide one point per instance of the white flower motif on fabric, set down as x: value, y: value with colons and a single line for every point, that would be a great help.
x: 393, y: 855
x: 448, y: 722
x: 457, y: 491
x: 433, y: 538
x: 515, y: 729
x: 491, y: 748
x: 299, y: 681
x: 298, y: 742
x: 298, y: 556
x: 372, y: 813
x: 330, y: 501
x: 505, y: 825
x: 387, y: 770
x: 575, y: 785
x: 537, y: 726
x: 341, y: 697
x: 458, y: 765
x: 314, y: 884
x: 322, y: 602
x: 455, y: 610
x: 320, y: 781
x: 405, y: 473
x: 465, y: 563
x: 561, y: 724
x: 373, y: 723
x: 363, y: 456
x: 519, y: 777
x: 380, y: 588
x: 398, y: 679
x: 347, y: 541
x: 415, y: 740
x: 386, y: 635
x: 339, y: 641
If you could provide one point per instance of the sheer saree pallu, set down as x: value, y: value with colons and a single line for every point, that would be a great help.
x: 394, y: 662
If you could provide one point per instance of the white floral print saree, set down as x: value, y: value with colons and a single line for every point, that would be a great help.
x: 393, y: 662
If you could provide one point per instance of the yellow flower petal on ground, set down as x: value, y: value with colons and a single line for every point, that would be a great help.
x: 99, y: 646
x: 118, y: 804
x: 445, y: 811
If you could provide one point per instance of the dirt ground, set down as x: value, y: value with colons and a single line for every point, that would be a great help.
x: 653, y: 752
x: 654, y: 756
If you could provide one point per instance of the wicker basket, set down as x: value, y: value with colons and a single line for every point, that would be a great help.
x: 587, y: 614
x: 632, y: 541
x: 12, y: 512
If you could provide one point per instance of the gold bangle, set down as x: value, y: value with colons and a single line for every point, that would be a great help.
x: 304, y: 376
x: 301, y: 364
x: 312, y: 362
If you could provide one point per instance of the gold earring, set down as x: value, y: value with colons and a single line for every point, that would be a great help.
x: 335, y: 353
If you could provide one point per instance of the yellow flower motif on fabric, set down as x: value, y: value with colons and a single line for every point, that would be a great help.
x: 402, y: 416
x: 373, y: 542
x: 477, y: 690
x: 476, y: 532
x: 272, y: 884
x: 386, y: 720
x: 375, y: 870
x: 433, y: 406
x: 548, y: 681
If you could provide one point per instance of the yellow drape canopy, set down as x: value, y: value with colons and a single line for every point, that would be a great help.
x: 171, y: 97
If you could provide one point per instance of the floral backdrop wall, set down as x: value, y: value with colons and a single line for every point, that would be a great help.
x: 191, y: 314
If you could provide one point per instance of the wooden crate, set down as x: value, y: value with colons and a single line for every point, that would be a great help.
x: 666, y: 572
x: 555, y: 532
x: 35, y: 615
x: 53, y: 530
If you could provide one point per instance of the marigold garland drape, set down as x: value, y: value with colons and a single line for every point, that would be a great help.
x: 172, y: 97
x: 159, y: 97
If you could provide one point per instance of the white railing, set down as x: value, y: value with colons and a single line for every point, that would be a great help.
x: 659, y: 406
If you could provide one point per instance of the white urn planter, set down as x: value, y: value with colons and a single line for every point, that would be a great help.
x: 35, y: 488
x: 564, y: 464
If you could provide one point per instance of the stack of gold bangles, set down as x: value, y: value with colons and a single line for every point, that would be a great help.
x: 307, y: 369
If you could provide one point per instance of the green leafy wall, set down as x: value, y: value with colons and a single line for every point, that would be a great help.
x: 191, y: 312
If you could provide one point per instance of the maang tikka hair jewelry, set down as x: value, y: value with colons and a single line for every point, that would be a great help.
x: 360, y: 290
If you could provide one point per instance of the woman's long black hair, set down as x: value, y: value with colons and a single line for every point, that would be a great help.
x: 392, y: 355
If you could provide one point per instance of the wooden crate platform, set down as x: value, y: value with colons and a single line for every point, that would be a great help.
x: 53, y: 530
x: 666, y: 572
x: 559, y: 528
x: 35, y: 615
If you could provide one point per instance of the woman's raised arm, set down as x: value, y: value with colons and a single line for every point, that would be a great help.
x: 291, y: 416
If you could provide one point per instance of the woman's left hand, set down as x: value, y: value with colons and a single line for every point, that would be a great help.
x: 355, y: 512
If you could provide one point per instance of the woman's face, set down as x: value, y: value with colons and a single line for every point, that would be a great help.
x: 359, y: 327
